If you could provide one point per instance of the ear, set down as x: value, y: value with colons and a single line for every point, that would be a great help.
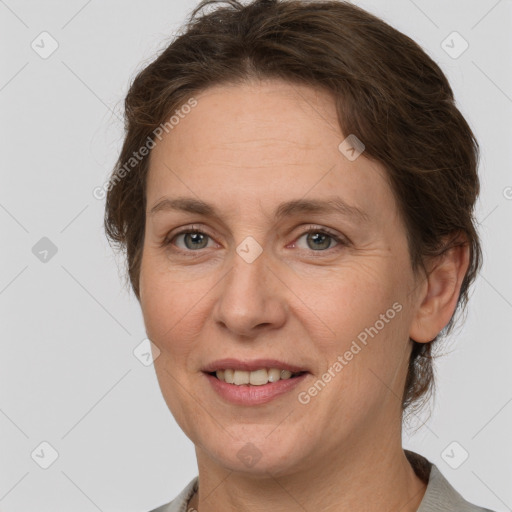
x: 440, y: 293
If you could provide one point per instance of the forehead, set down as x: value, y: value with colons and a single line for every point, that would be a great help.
x: 277, y: 121
x: 260, y: 142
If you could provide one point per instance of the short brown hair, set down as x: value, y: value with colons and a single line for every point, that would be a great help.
x: 389, y: 93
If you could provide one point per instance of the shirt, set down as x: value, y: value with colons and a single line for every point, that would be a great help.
x: 439, y: 496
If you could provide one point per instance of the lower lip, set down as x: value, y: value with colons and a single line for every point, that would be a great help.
x: 253, y: 395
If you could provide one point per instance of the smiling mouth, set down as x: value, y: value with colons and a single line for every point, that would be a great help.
x: 254, y: 378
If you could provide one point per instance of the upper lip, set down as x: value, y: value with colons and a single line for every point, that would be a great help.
x: 254, y: 364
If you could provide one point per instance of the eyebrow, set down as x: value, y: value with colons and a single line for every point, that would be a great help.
x: 333, y: 204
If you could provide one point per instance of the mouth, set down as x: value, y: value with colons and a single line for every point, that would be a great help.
x: 255, y: 382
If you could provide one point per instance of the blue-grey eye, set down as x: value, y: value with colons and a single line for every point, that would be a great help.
x: 194, y: 239
x: 318, y: 240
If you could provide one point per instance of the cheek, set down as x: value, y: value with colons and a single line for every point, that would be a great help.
x: 366, y: 312
x: 172, y: 310
x: 355, y: 297
x: 161, y: 301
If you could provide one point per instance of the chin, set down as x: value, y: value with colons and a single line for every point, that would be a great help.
x: 252, y: 451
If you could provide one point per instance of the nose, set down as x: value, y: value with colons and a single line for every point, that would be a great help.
x: 251, y: 298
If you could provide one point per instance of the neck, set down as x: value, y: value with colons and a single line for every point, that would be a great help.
x: 353, y: 480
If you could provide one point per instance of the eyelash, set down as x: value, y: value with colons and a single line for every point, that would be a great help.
x: 341, y: 242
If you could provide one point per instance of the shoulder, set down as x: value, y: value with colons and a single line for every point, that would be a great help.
x: 440, y: 495
x: 179, y: 504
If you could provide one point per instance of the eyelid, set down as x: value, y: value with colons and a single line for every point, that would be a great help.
x: 321, y: 229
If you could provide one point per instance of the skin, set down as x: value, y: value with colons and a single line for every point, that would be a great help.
x: 245, y: 149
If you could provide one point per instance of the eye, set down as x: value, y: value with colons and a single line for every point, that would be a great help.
x: 193, y: 239
x: 319, y: 239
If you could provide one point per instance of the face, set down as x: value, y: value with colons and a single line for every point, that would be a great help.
x: 329, y: 292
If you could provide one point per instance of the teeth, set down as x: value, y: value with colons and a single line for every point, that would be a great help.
x: 258, y: 377
x: 241, y: 377
x: 274, y: 375
x: 255, y: 378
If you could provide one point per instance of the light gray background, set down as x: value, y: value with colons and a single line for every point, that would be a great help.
x: 68, y: 326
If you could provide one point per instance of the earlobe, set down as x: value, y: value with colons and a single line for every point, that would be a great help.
x: 438, y: 300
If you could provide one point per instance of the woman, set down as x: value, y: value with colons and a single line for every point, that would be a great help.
x: 295, y: 195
